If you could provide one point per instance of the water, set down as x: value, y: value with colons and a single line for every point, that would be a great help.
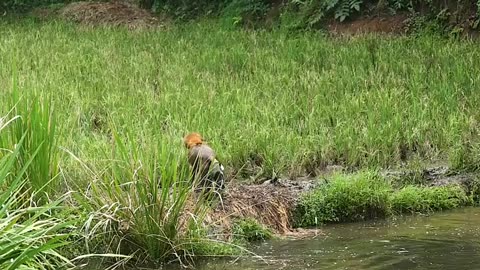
x: 449, y: 240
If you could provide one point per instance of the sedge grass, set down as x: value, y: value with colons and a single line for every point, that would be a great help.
x: 142, y: 203
x: 30, y: 235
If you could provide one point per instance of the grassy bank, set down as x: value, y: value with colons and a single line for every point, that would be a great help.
x: 269, y: 102
x: 367, y: 195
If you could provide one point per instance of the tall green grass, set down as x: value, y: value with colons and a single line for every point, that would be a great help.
x: 269, y: 102
x: 345, y: 198
x: 141, y: 202
x: 36, y: 128
x: 30, y: 235
x: 367, y: 195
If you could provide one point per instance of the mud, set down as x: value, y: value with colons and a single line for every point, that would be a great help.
x: 270, y: 203
x: 432, y: 176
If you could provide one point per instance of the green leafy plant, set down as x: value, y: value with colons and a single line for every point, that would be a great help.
x: 30, y: 236
x: 37, y: 125
x: 250, y: 230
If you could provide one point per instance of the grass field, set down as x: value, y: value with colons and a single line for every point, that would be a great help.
x: 285, y: 103
x: 269, y: 102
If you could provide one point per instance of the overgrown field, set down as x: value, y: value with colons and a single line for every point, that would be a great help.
x: 270, y: 103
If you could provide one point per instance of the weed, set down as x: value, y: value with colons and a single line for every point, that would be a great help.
x: 250, y: 230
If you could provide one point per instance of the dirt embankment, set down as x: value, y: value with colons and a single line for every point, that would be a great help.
x: 270, y: 203
x: 273, y: 202
x: 125, y: 13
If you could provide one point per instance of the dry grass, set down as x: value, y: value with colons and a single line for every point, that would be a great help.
x: 113, y: 13
x: 269, y: 204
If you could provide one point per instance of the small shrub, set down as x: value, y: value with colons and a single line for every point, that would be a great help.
x: 250, y: 230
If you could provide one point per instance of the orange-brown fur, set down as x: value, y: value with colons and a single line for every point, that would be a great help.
x: 192, y: 140
x: 200, y: 155
x: 203, y: 162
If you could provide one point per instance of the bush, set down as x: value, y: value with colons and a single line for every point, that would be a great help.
x: 345, y: 198
x: 413, y: 199
x: 250, y: 230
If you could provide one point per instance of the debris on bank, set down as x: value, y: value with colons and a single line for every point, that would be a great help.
x: 114, y: 13
x: 273, y: 202
x: 269, y: 203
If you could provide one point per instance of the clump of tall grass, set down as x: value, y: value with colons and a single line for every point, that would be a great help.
x: 250, y: 230
x: 367, y: 195
x: 30, y: 236
x: 37, y: 128
x: 345, y: 198
x: 142, y: 201
x: 413, y: 199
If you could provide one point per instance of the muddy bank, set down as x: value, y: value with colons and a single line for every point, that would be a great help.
x: 270, y: 203
x: 431, y: 176
x: 274, y: 202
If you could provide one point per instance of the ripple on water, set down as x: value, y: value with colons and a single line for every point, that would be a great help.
x: 448, y: 240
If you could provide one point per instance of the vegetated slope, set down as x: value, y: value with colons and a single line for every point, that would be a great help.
x: 269, y: 103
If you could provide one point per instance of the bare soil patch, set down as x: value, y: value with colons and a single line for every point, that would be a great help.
x: 114, y: 13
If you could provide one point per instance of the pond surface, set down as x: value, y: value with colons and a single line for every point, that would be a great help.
x: 449, y: 240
